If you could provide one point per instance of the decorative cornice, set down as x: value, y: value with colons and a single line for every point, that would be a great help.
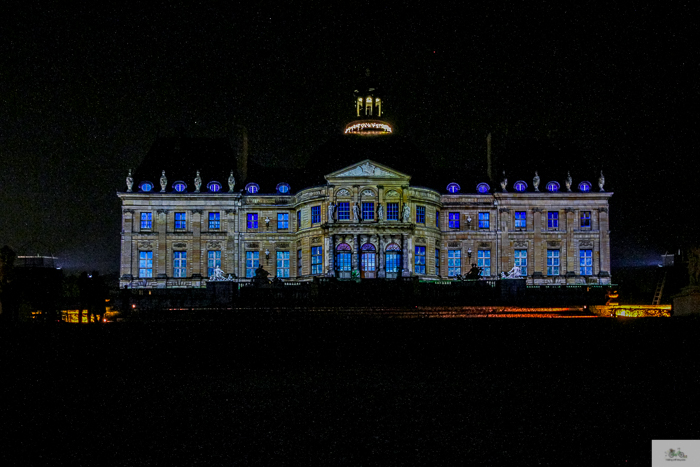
x: 569, y: 210
x: 503, y: 209
x: 537, y: 210
x: 163, y: 211
x: 197, y: 211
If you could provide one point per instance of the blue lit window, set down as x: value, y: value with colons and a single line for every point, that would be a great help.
x: 584, y: 186
x: 585, y: 219
x: 214, y: 221
x: 252, y: 188
x: 520, y: 186
x: 298, y: 220
x: 180, y: 186
x: 392, y: 211
x: 253, y: 220
x: 437, y: 261
x: 552, y: 262
x: 484, y: 261
x: 145, y: 264
x: 419, y: 266
x: 282, y: 220
x: 520, y: 257
x: 252, y: 262
x: 553, y: 187
x: 315, y: 214
x: 437, y: 218
x: 316, y: 260
x: 420, y: 214
x: 146, y: 220
x: 520, y: 220
x: 454, y: 262
x: 586, y: 262
x: 343, y: 258
x: 213, y: 261
x: 483, y: 188
x: 180, y: 220
x: 179, y: 263
x: 300, y: 263
x: 283, y: 188
x: 453, y: 221
x: 553, y: 220
x: 343, y: 211
x: 368, y: 211
x: 368, y: 259
x: 453, y: 188
x: 393, y: 258
x: 214, y: 187
x: 484, y: 220
x: 146, y: 186
x: 282, y: 264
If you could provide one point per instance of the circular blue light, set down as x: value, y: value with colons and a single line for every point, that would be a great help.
x: 283, y: 188
x: 180, y: 186
x: 252, y: 188
x: 214, y: 187
x: 146, y: 186
x: 453, y: 188
x: 483, y: 188
x: 584, y: 186
x: 520, y: 186
x: 553, y: 187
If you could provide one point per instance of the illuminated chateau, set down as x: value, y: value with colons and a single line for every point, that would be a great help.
x: 361, y: 211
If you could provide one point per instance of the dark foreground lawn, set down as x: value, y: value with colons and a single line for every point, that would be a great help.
x: 349, y: 392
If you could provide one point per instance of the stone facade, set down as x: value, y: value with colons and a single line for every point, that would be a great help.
x: 379, y: 226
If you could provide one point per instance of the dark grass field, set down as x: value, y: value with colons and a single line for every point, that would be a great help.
x: 324, y: 391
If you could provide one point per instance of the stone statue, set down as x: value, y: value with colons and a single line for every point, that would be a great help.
x: 504, y: 182
x: 474, y: 272
x: 536, y: 182
x: 331, y: 212
x: 218, y: 275
x: 568, y: 181
x: 406, y: 213
x: 197, y: 183
x: 514, y: 273
x: 356, y: 212
x: 129, y: 182
x: 601, y: 181
x: 231, y: 182
x: 380, y: 212
x: 163, y: 182
x: 261, y: 277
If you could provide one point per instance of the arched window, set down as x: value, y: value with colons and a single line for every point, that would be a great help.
x: 393, y: 258
x: 214, y: 187
x: 453, y: 188
x: 368, y: 247
x: 584, y: 186
x: 483, y: 188
x: 343, y: 257
x: 283, y: 188
x: 368, y: 105
x: 180, y: 186
x: 146, y: 186
x: 252, y: 188
x: 520, y: 186
x: 553, y: 187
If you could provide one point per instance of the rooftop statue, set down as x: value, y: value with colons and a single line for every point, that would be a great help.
x: 163, y: 182
x: 601, y: 181
x: 504, y: 182
x: 197, y: 183
x: 231, y: 182
x: 568, y: 181
x: 129, y: 182
x: 536, y: 182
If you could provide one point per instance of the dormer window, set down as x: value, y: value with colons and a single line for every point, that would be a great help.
x: 520, y: 186
x: 368, y: 106
x: 180, y: 186
x: 483, y: 188
x: 252, y: 188
x: 553, y: 187
x: 584, y: 187
x: 453, y: 188
x: 146, y: 186
x: 283, y: 188
x: 214, y: 187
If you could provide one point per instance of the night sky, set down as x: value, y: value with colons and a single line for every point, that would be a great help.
x: 85, y: 91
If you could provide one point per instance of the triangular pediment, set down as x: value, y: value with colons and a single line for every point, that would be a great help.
x: 368, y: 169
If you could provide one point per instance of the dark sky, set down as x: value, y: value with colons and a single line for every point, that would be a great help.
x: 85, y: 90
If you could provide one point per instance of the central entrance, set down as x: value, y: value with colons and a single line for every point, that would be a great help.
x: 368, y: 262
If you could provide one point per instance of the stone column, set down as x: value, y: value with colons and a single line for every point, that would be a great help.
x: 196, y: 262
x: 503, y: 250
x: 229, y: 260
x: 162, y: 260
x: 571, y: 263
x: 603, y: 225
x: 537, y: 250
x: 127, y: 256
x: 382, y: 257
x: 356, y: 253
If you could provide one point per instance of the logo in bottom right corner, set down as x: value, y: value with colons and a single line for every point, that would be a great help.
x: 675, y: 455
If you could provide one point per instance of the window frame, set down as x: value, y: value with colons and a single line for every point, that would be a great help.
x: 454, y: 262
x: 420, y: 214
x: 214, y: 221
x: 368, y: 210
x: 520, y: 260
x: 552, y: 220
x: 146, y: 263
x: 585, y: 220
x: 553, y: 262
x: 585, y: 262
x: 483, y: 260
x: 419, y: 260
x: 146, y: 217
x: 520, y: 220
x: 343, y: 210
x: 252, y: 220
x: 392, y: 211
x: 252, y: 262
x: 453, y: 220
x: 485, y: 220
x: 213, y: 262
x: 180, y: 264
x: 180, y: 221
x: 282, y: 221
x: 316, y: 260
x: 437, y: 261
x: 283, y: 257
x: 315, y: 214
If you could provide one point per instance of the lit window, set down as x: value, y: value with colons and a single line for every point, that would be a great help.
x: 180, y: 220
x: 552, y: 262
x: 585, y: 219
x: 146, y: 220
x: 437, y: 219
x: 520, y: 220
x: 586, y: 262
x: 298, y: 220
x: 315, y: 214
x: 419, y: 266
x: 180, y: 186
x: 520, y: 257
x: 214, y: 221
x: 520, y: 186
x: 420, y: 214
x: 213, y: 261
x: 282, y: 264
x: 454, y: 262
x: 483, y: 188
x: 368, y: 211
x: 453, y: 221
x: 484, y: 220
x: 282, y: 221
x: 553, y: 220
x: 553, y: 187
x: 253, y: 220
x: 343, y: 258
x: 252, y: 188
x: 453, y: 188
x: 393, y: 258
x: 214, y: 187
x: 146, y: 186
x: 252, y: 261
x: 343, y: 211
x: 179, y: 263
x: 437, y: 261
x: 283, y: 188
x: 392, y: 211
x: 584, y: 186
x: 299, y: 263
x: 484, y: 261
x: 316, y: 260
x: 145, y: 264
x: 368, y: 259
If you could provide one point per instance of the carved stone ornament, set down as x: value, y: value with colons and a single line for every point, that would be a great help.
x: 454, y: 244
x: 197, y: 211
x: 343, y: 192
x: 554, y: 244
x: 213, y: 245
x: 252, y: 245
x: 368, y: 193
x: 316, y: 240
x: 231, y: 211
x: 503, y: 210
x: 163, y: 211
x: 568, y: 181
x: 179, y: 245
x: 128, y: 211
x: 484, y: 245
x: 163, y: 182
x: 129, y: 182
x: 282, y: 245
x: 520, y: 244
x: 585, y: 243
x: 569, y: 210
x: 367, y: 169
x: 601, y: 181
x: 231, y: 182
x: 145, y: 246
x: 392, y: 194
x: 420, y: 239
x: 537, y: 210
x: 197, y: 182
x: 437, y: 242
x: 536, y: 182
